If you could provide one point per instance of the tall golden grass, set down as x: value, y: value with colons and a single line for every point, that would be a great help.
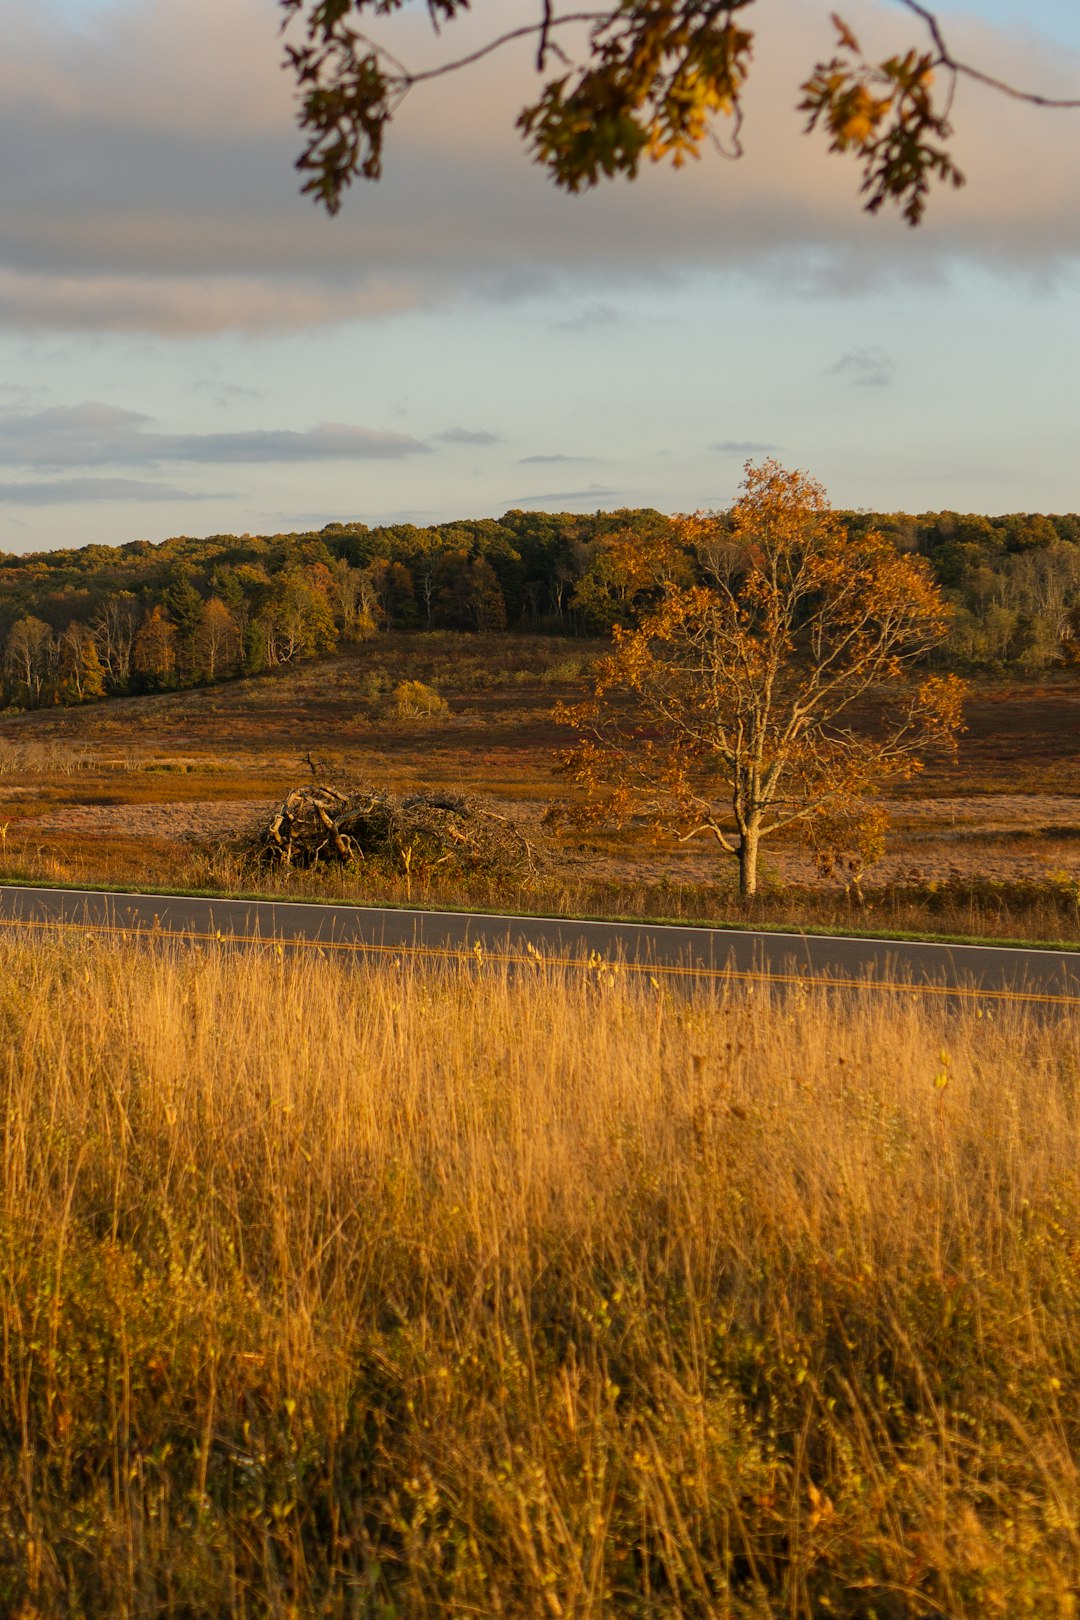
x: 333, y: 1290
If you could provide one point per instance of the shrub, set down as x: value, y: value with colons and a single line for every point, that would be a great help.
x: 412, y: 700
x: 565, y: 669
x: 373, y: 684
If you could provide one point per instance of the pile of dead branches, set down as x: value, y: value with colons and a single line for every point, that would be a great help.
x: 318, y: 823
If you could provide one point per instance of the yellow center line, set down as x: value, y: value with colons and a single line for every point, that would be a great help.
x: 481, y: 954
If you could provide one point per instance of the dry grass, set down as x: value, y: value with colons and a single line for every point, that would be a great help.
x: 1043, y: 909
x: 334, y: 1291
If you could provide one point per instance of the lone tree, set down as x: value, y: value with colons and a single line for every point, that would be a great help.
x: 782, y: 692
x: 627, y: 80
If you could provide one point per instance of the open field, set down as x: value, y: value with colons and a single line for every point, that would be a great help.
x: 988, y: 842
x: 328, y: 1291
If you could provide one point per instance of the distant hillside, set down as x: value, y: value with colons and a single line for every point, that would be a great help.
x: 78, y: 625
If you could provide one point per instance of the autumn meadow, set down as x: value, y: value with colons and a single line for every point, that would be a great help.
x: 332, y: 1290
x: 385, y: 1290
x: 415, y: 425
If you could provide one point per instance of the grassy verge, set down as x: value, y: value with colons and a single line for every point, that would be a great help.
x: 345, y: 1292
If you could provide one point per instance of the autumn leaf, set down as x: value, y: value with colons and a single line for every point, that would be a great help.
x: 846, y: 37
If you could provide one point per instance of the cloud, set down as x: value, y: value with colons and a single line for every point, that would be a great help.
x: 86, y: 435
x: 473, y: 436
x: 547, y: 461
x: 134, y: 63
x: 593, y: 318
x: 78, y: 491
x: 21, y: 395
x: 593, y: 494
x: 188, y: 307
x: 743, y: 447
x: 93, y: 434
x: 864, y: 368
x: 154, y: 190
x: 224, y: 393
x: 333, y: 441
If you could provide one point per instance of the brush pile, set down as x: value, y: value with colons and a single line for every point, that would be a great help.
x: 317, y: 823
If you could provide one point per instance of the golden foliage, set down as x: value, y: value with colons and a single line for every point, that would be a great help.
x: 886, y: 115
x: 627, y: 569
x: 415, y: 700
x: 658, y: 76
x: 783, y: 690
x: 652, y: 80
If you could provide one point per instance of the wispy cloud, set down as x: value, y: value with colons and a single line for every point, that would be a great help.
x: 79, y: 491
x: 333, y: 441
x: 224, y: 393
x: 88, y: 435
x: 864, y: 368
x: 743, y: 447
x: 468, y: 436
x: 96, y: 435
x: 549, y: 461
x: 593, y: 318
x: 594, y: 494
x: 61, y: 296
x: 21, y: 396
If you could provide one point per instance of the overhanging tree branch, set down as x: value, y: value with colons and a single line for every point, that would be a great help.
x: 652, y: 81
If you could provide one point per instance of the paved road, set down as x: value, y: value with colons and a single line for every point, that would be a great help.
x: 988, y: 973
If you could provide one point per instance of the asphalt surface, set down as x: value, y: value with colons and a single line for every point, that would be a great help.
x: 688, y: 955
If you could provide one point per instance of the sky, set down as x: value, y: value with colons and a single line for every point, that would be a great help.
x: 187, y: 346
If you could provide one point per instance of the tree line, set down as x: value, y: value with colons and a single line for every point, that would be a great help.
x: 80, y: 624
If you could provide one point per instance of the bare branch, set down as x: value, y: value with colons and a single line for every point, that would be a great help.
x: 540, y: 29
x: 946, y: 59
x: 718, y: 833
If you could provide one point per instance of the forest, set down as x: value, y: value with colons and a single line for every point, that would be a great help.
x: 77, y: 625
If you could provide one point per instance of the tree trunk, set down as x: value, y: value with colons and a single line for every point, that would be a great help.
x: 748, y: 862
